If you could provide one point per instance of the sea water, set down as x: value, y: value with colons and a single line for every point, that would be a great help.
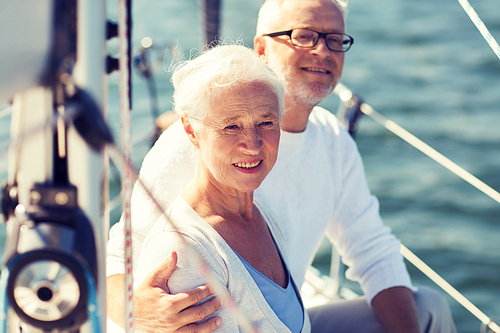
x: 422, y: 64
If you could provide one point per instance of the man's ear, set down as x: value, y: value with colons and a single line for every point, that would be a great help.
x: 188, y: 128
x: 259, y: 45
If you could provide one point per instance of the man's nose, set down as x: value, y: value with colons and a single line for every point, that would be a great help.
x: 321, y: 47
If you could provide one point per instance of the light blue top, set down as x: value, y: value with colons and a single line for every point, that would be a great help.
x: 285, y: 302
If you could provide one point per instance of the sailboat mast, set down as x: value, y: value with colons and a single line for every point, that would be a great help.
x: 211, y: 21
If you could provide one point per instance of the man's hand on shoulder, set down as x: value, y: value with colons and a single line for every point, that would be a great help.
x: 156, y: 310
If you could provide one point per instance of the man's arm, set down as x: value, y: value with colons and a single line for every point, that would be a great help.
x: 395, y: 308
x: 156, y: 310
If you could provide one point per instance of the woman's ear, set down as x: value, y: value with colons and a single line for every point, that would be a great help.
x: 188, y: 128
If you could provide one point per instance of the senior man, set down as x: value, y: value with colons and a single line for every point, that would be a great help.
x: 318, y: 186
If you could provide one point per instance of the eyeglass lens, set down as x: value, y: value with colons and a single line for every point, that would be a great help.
x: 309, y: 38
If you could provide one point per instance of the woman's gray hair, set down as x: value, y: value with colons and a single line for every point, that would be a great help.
x: 200, y: 81
x: 270, y: 17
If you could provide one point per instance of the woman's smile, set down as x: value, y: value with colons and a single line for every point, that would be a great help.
x: 249, y: 167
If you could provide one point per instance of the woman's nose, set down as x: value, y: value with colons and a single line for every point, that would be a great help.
x: 252, y: 140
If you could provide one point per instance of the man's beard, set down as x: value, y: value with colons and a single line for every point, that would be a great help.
x: 309, y: 94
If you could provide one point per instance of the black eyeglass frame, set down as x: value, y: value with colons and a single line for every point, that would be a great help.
x: 320, y: 35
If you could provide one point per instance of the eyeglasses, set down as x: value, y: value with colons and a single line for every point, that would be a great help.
x: 309, y: 38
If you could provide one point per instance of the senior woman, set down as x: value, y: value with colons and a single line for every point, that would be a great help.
x: 230, y: 104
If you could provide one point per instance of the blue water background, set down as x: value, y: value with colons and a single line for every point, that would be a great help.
x: 422, y: 64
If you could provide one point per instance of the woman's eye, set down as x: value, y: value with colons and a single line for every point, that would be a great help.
x: 231, y: 127
x: 266, y: 123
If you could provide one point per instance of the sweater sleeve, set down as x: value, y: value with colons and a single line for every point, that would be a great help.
x: 366, y: 245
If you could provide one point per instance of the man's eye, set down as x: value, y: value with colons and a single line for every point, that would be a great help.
x: 230, y: 127
x: 266, y: 123
x: 335, y: 40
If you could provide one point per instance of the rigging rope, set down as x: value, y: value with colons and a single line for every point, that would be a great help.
x: 480, y: 26
x: 345, y: 95
x: 125, y: 132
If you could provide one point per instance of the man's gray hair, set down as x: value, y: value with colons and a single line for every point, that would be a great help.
x: 199, y: 82
x: 270, y: 15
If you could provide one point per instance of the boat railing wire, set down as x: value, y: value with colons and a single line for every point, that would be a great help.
x: 480, y: 26
x: 346, y: 94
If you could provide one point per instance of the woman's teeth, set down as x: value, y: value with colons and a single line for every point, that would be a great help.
x: 247, y: 165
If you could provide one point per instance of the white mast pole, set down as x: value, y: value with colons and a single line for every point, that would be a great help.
x: 87, y: 168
